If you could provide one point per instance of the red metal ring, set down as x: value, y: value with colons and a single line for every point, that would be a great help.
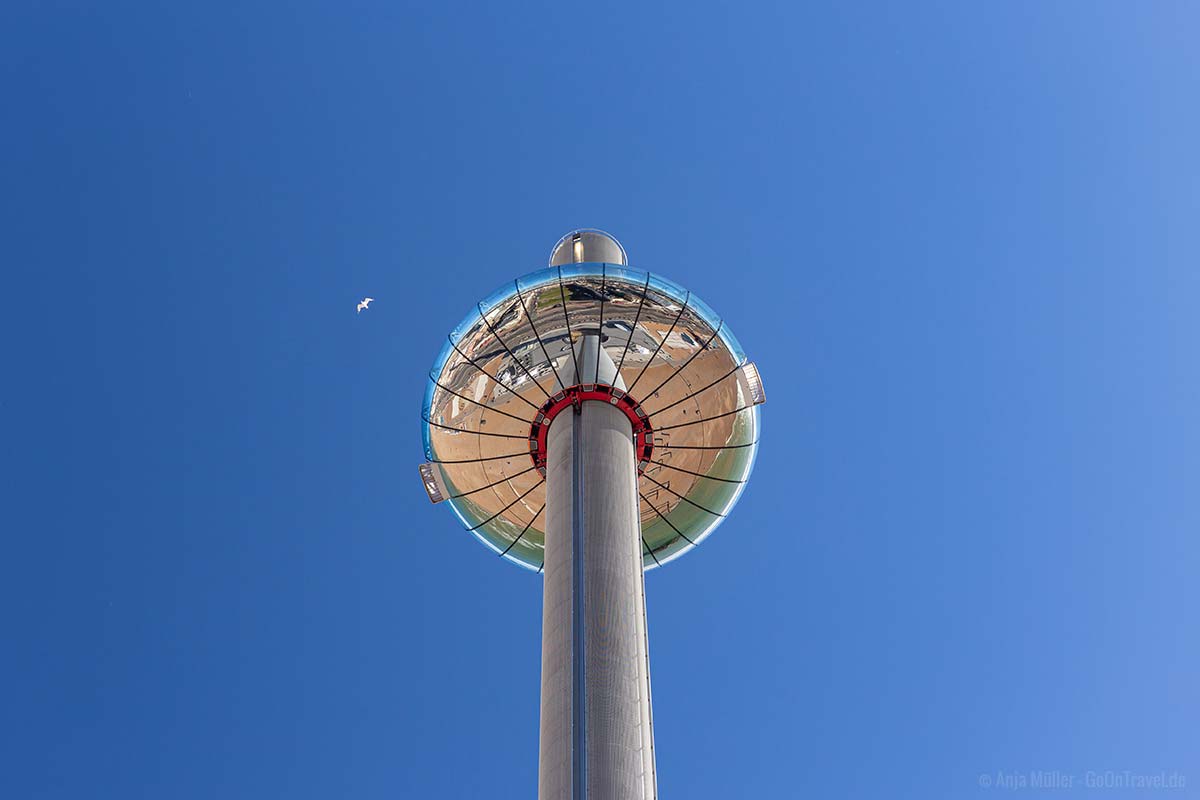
x: 643, y: 432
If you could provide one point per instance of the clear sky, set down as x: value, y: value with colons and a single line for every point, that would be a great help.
x: 960, y: 240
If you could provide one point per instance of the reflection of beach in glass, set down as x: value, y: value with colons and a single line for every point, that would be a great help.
x: 515, y: 352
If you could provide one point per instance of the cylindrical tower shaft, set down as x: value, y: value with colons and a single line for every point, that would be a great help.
x: 596, y: 732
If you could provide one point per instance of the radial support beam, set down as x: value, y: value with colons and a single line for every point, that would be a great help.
x: 597, y: 740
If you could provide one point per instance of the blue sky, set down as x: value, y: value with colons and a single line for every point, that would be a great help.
x: 959, y: 239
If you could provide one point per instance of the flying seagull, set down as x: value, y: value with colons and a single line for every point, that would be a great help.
x: 364, y: 303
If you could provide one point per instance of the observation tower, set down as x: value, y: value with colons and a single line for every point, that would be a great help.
x: 590, y: 422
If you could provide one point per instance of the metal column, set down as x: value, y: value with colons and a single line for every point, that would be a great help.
x: 596, y: 732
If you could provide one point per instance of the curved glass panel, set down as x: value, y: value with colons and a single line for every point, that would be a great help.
x: 501, y: 295
x: 668, y: 287
x: 515, y: 350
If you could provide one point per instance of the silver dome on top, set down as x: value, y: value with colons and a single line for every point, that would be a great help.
x: 588, y: 245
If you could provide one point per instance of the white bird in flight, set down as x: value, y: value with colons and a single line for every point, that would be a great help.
x: 363, y: 304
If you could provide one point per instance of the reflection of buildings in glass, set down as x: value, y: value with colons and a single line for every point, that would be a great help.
x: 500, y: 351
x: 658, y: 371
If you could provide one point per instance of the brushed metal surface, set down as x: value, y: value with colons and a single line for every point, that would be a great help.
x: 596, y: 733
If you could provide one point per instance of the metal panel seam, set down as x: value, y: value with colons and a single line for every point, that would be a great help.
x: 579, y: 712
